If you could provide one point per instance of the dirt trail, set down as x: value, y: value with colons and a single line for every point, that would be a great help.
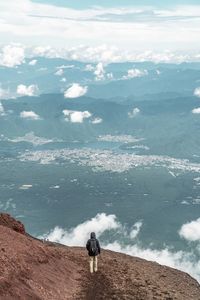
x: 99, y: 287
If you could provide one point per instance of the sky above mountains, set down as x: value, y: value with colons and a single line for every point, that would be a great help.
x: 112, y: 3
x: 136, y: 27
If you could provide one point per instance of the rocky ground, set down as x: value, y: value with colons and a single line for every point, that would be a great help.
x: 32, y: 269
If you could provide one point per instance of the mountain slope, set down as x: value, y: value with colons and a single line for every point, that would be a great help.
x: 32, y: 269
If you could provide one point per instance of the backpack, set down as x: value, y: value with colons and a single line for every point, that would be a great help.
x: 93, y: 247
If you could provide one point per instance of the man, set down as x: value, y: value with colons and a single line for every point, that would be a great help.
x: 94, y: 249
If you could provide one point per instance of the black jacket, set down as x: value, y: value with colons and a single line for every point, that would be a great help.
x: 98, y: 249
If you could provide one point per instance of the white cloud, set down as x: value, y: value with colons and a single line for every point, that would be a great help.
x: 132, y: 73
x: 191, y: 231
x: 99, y: 71
x: 63, y: 79
x: 11, y: 56
x: 96, y: 121
x: 196, y: 110
x: 135, y: 230
x: 95, y: 54
x: 33, y: 62
x: 76, y: 116
x: 100, y: 53
x: 30, y: 115
x: 24, y: 90
x: 134, y: 112
x: 66, y: 67
x: 59, y: 72
x: 25, y: 187
x: 89, y: 68
x: 75, y: 91
x: 197, y: 92
x: 77, y: 236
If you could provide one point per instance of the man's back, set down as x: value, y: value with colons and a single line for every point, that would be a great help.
x: 94, y: 249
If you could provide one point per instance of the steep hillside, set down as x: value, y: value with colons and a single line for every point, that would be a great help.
x: 32, y: 269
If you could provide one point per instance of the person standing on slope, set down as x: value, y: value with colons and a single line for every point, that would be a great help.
x: 93, y: 248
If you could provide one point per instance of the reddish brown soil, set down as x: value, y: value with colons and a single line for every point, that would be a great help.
x: 10, y: 222
x: 31, y: 269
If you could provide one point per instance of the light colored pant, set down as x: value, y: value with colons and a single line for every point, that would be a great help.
x: 93, y: 264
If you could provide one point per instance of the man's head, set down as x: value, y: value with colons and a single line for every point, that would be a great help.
x: 92, y: 235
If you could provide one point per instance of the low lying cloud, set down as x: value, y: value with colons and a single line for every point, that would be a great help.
x: 31, y: 90
x: 196, y: 110
x: 33, y: 62
x: 89, y: 68
x: 30, y: 115
x: 76, y: 116
x: 134, y: 112
x: 75, y: 91
x: 127, y: 242
x: 11, y: 56
x: 96, y: 121
x: 197, y: 92
x: 25, y: 186
x: 135, y: 230
x: 59, y: 72
x: 133, y: 73
x: 191, y: 231
x: 78, y: 236
x: 99, y: 72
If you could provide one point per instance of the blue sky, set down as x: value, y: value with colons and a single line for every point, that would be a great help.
x: 129, y: 26
x: 115, y: 3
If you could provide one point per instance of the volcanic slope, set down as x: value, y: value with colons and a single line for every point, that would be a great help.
x: 33, y: 269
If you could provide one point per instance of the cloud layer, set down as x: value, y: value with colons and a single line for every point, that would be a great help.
x: 102, y: 223
x: 78, y: 236
x: 136, y: 28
